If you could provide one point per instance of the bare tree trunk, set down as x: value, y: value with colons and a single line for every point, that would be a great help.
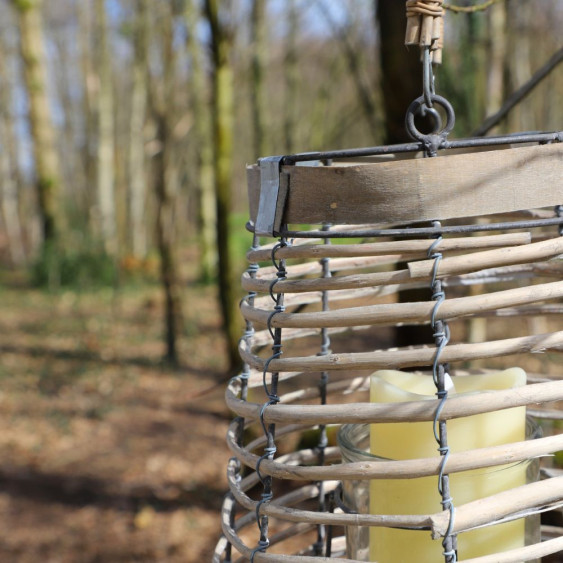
x: 207, y: 218
x: 166, y: 187
x: 9, y: 199
x: 401, y: 77
x: 497, y: 57
x: 9, y: 169
x: 90, y: 89
x: 521, y: 118
x: 47, y: 168
x: 221, y: 44
x: 166, y: 241
x: 136, y: 161
x: 290, y: 70
x: 105, y: 151
x: 258, y: 46
x: 401, y: 71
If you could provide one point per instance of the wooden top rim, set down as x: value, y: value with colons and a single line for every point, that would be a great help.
x: 449, y: 186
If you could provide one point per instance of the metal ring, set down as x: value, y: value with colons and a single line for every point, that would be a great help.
x: 436, y: 118
x: 417, y: 105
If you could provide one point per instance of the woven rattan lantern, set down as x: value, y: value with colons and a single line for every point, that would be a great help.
x: 338, y: 237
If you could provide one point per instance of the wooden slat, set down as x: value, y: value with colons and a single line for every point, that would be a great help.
x: 415, y: 247
x: 421, y: 270
x: 411, y: 411
x: 408, y: 357
x: 489, y: 259
x: 464, y: 185
x: 493, y: 456
x: 500, y: 505
x: 393, y: 313
x: 528, y: 553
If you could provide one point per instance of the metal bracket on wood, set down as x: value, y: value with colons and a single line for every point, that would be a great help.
x: 273, y: 193
x: 274, y: 189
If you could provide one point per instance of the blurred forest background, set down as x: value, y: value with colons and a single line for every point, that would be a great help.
x: 125, y: 127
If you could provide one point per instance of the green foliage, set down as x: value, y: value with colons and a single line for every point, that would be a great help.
x: 24, y: 5
x: 240, y: 240
x: 79, y: 268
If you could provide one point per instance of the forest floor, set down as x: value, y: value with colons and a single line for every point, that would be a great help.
x: 106, y: 454
x: 103, y: 456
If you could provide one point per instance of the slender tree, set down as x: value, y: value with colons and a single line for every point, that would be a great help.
x: 165, y: 178
x: 258, y: 46
x: 291, y: 77
x: 9, y: 172
x: 105, y: 170
x: 223, y: 117
x: 207, y: 219
x: 519, y: 63
x: 497, y: 57
x: 89, y: 87
x: 136, y: 158
x: 45, y: 156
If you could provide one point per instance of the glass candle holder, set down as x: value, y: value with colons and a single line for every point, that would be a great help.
x: 354, y: 443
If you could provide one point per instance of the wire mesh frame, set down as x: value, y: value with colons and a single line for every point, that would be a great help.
x: 294, y: 287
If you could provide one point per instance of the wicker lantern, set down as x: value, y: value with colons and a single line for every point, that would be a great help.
x: 338, y: 238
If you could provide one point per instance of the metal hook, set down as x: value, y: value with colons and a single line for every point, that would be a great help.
x: 427, y: 78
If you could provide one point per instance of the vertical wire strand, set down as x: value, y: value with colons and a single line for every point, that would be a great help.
x: 271, y: 391
x: 322, y: 536
x: 243, y: 377
x: 441, y: 379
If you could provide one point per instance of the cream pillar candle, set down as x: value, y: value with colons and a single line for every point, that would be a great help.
x: 420, y: 496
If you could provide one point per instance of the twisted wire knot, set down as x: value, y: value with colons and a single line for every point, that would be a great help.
x: 269, y: 453
x: 253, y: 268
x: 261, y: 547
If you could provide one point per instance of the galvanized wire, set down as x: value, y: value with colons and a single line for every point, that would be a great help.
x: 439, y: 373
x: 271, y: 391
x: 323, y: 441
